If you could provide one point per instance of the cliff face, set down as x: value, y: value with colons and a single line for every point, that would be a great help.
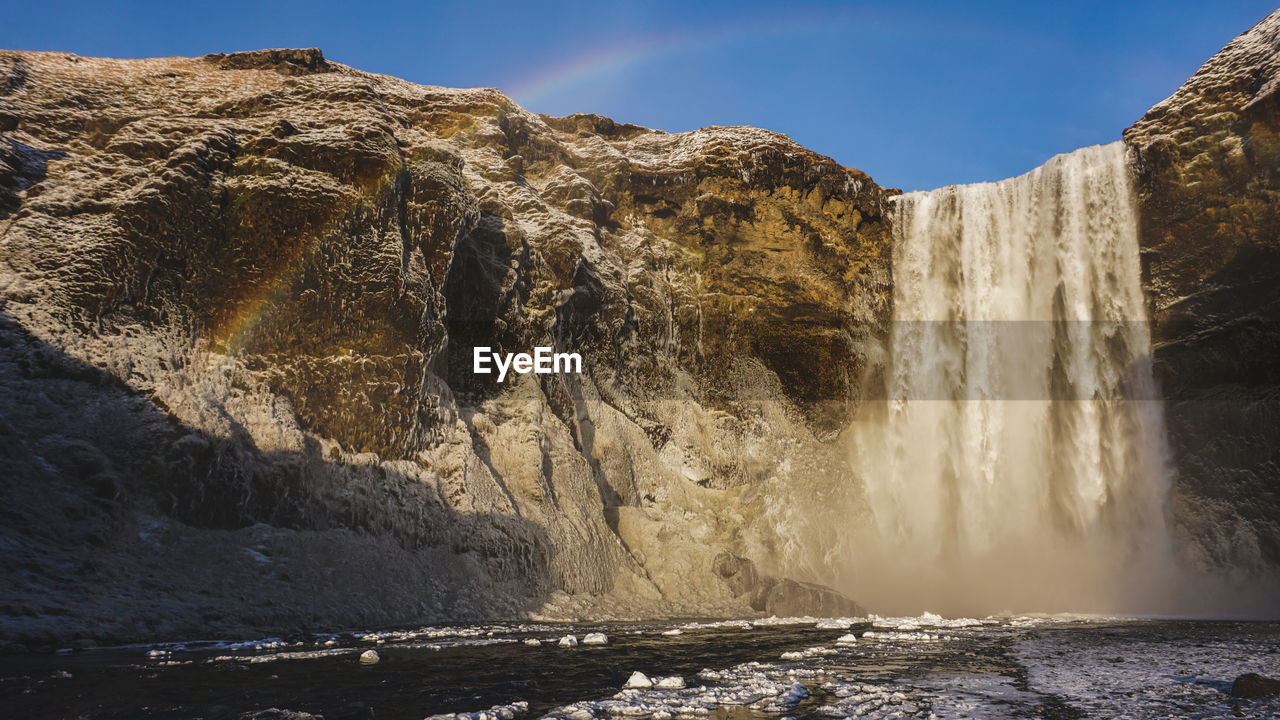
x: 1209, y: 183
x: 240, y: 296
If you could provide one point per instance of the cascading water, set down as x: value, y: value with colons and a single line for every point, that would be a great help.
x: 1017, y: 458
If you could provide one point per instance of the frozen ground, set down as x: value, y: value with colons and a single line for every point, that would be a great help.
x: 922, y: 667
x: 1166, y: 670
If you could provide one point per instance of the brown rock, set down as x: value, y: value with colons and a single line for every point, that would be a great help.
x: 791, y: 598
x: 249, y: 285
x: 782, y: 597
x: 1252, y: 685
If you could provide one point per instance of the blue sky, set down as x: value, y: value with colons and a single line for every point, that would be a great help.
x: 916, y: 94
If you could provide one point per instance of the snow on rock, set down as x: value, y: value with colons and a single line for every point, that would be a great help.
x: 774, y: 621
x: 596, y: 638
x: 905, y: 636
x: 928, y: 620
x: 497, y: 712
x: 873, y: 701
x: 788, y: 699
x: 277, y: 656
x: 808, y: 653
x: 757, y: 687
x: 718, y: 624
x: 639, y: 680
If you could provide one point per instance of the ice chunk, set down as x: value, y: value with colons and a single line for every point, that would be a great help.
x: 673, y: 632
x: 595, y: 639
x: 369, y: 657
x: 675, y: 682
x: 639, y: 680
x: 532, y: 642
x: 905, y: 636
x: 569, y: 641
x: 808, y: 653
x: 787, y: 700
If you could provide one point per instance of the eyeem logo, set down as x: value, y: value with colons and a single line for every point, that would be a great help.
x: 542, y: 362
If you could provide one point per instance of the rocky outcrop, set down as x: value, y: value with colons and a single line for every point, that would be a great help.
x: 782, y: 597
x: 1253, y: 685
x: 1208, y: 162
x: 240, y: 297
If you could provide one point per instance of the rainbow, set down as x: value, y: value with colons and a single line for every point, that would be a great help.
x: 603, y: 62
x: 232, y: 333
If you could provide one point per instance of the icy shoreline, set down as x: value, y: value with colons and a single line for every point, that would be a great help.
x: 927, y: 667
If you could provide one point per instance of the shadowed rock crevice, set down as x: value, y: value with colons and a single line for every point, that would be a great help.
x: 21, y: 166
x: 124, y: 523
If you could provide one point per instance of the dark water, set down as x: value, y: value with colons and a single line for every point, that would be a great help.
x: 922, y: 667
x: 412, y: 679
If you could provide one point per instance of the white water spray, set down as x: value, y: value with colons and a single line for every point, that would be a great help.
x: 1017, y: 459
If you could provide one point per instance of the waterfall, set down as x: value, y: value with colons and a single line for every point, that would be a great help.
x: 1014, y: 455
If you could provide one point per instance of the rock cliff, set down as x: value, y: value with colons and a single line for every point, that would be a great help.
x: 240, y: 296
x: 1208, y: 161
